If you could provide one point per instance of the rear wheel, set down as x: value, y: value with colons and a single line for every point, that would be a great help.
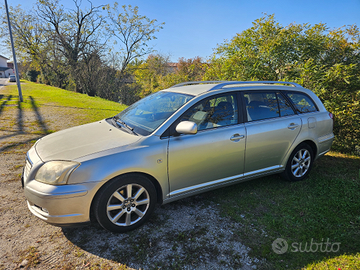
x: 125, y: 203
x: 299, y: 164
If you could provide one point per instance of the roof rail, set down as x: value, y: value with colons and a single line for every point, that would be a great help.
x: 221, y: 84
x: 196, y: 82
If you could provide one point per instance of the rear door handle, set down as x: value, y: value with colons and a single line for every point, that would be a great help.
x: 292, y: 126
x: 237, y: 137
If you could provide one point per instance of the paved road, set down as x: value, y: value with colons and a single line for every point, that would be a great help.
x: 3, y: 81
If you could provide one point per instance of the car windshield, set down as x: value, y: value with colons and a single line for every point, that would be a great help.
x: 149, y: 113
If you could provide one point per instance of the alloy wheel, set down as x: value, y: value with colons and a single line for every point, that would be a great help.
x: 300, y: 163
x: 128, y: 204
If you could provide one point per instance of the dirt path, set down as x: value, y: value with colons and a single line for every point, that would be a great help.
x: 188, y: 234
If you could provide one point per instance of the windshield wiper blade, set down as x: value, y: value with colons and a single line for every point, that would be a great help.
x: 123, y: 124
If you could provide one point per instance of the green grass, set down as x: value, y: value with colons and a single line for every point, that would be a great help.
x: 36, y: 95
x: 324, y: 209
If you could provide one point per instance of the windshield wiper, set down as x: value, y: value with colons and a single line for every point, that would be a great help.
x: 123, y: 124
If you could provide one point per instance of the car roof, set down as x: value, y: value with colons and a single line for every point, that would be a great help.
x: 191, y: 89
x: 197, y: 88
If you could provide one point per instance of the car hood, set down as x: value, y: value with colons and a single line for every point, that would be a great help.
x: 76, y: 142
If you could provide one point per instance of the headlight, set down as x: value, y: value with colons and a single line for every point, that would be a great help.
x: 56, y: 172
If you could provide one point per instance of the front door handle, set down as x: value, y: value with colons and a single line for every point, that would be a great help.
x: 237, y: 137
x: 292, y: 126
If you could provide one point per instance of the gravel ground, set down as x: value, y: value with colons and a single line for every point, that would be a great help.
x: 187, y: 234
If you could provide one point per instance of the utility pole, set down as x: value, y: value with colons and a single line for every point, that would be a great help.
x: 13, y: 52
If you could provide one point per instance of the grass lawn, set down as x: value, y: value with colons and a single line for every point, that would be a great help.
x: 92, y: 108
x: 318, y: 218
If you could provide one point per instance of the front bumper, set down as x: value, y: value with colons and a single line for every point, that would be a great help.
x: 60, y: 205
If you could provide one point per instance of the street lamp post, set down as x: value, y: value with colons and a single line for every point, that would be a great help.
x: 14, y: 56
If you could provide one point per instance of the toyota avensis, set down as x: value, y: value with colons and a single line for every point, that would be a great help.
x: 188, y: 139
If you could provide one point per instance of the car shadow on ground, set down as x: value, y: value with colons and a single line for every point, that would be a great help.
x: 186, y: 233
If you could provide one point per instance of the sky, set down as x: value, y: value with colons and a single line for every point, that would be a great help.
x: 195, y: 28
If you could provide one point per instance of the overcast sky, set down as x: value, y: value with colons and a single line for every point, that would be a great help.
x: 195, y: 28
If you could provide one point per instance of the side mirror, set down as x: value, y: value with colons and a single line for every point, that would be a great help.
x: 186, y: 127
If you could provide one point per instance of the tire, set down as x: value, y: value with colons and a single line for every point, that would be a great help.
x: 125, y: 203
x: 299, y: 164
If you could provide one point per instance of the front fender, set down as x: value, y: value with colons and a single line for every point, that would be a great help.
x: 142, y: 158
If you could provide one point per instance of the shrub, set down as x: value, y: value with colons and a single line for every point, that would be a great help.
x: 32, y: 75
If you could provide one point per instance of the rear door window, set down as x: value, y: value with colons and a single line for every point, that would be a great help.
x: 266, y: 104
x: 261, y: 105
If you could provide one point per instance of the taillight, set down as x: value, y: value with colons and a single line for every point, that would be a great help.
x: 331, y: 116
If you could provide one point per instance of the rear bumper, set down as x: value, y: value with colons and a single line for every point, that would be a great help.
x: 325, y: 143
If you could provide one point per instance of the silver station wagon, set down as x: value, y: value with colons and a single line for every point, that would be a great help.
x: 188, y: 139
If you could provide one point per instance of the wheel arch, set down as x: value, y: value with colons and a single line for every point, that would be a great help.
x: 313, y: 147
x: 152, y: 179
x: 309, y: 142
x: 287, y: 173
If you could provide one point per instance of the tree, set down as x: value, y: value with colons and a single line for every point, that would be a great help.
x: 149, y: 73
x: 70, y: 48
x: 262, y: 52
x: 327, y: 62
x: 192, y: 69
x: 155, y: 73
x: 133, y: 31
x: 75, y: 34
x: 55, y: 40
x: 32, y: 49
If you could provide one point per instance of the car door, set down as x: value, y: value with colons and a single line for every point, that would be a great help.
x: 213, y: 156
x: 271, y: 128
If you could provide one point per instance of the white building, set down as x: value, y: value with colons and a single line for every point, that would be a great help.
x: 5, y: 71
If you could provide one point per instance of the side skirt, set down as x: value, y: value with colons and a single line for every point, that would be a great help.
x: 197, y: 189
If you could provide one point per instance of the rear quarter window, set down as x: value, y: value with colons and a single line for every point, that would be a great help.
x: 302, y: 102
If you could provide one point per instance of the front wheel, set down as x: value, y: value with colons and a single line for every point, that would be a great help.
x: 125, y: 203
x: 299, y: 164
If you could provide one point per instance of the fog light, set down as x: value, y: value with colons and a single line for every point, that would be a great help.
x: 44, y: 210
